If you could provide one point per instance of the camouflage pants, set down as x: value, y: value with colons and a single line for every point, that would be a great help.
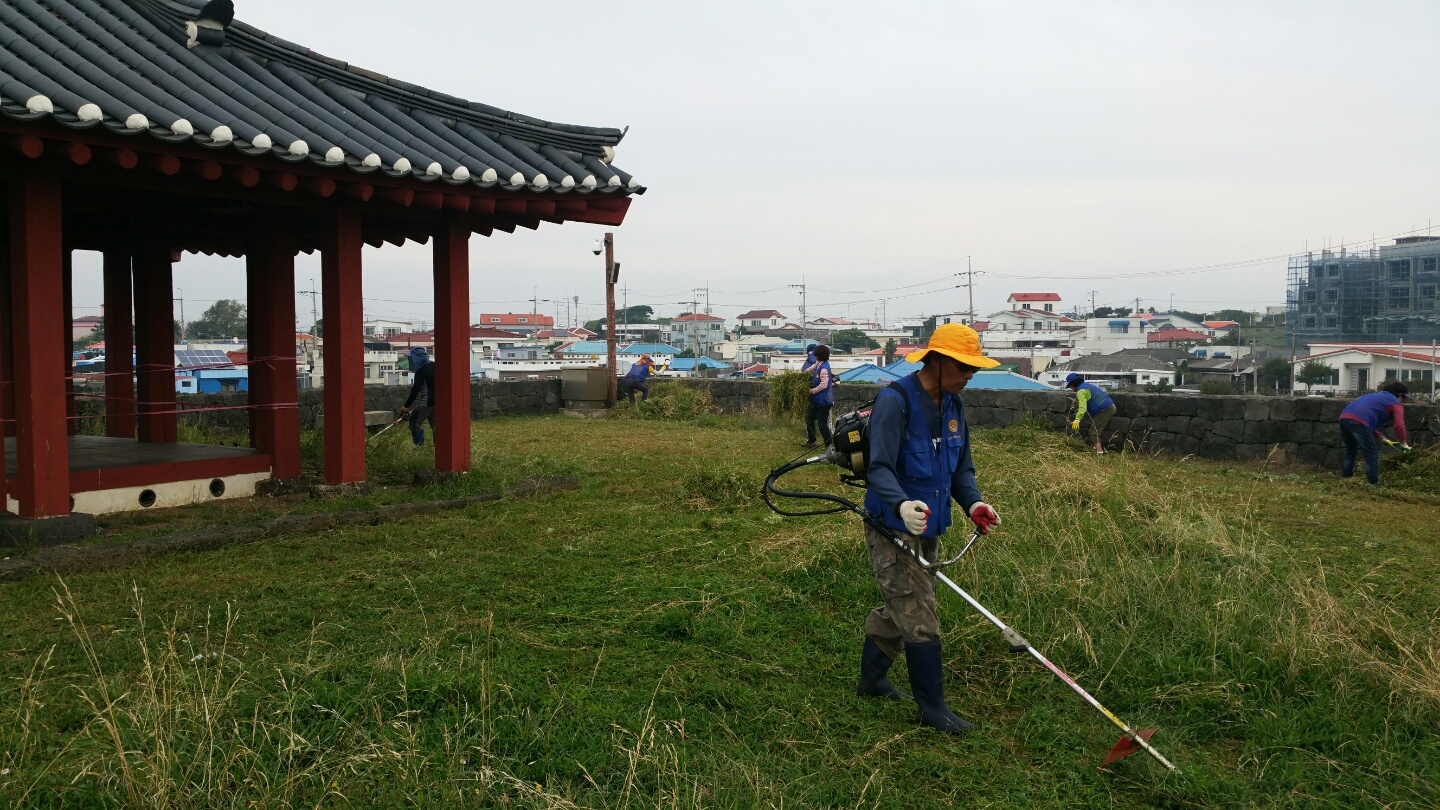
x: 908, y: 614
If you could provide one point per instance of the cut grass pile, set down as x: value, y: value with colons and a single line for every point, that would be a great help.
x: 659, y: 639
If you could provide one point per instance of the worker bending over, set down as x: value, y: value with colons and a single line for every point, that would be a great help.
x: 1094, y: 401
x: 635, y: 379
x: 1361, y: 423
x: 422, y: 368
x: 919, y: 461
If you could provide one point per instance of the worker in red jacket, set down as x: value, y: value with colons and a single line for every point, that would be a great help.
x: 1361, y: 423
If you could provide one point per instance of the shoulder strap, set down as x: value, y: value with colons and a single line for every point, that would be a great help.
x: 904, y: 402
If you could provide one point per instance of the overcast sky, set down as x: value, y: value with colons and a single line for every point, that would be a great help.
x: 867, y: 149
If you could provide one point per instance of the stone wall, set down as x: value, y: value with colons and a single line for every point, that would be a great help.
x: 1220, y: 427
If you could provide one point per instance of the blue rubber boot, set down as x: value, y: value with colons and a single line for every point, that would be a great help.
x: 874, y: 664
x: 927, y: 680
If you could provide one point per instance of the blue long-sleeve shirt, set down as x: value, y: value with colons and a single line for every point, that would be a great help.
x: 887, y: 431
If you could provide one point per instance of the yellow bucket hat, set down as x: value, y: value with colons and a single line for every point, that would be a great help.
x: 958, y: 342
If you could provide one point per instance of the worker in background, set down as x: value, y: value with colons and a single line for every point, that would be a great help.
x: 1361, y: 423
x: 822, y: 396
x: 636, y: 379
x: 809, y: 356
x: 1095, y: 402
x: 919, y: 462
x: 422, y: 369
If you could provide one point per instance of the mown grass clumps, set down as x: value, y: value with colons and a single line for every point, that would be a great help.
x: 789, y: 396
x: 1417, y: 471
x: 718, y: 486
x: 670, y: 400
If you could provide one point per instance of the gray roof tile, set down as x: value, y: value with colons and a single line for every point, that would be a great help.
x: 124, y: 65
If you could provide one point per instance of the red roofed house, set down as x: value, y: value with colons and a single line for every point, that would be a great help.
x: 1175, y: 339
x: 759, y: 320
x: 1044, y: 302
x: 527, y: 323
x: 1364, y: 367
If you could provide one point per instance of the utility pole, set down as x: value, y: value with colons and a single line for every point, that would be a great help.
x: 1092, y: 302
x: 181, y: 299
x: 625, y: 315
x: 1254, y: 370
x: 610, y: 279
x: 970, y: 286
x: 801, y: 286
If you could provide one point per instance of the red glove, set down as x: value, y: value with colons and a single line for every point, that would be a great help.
x: 984, y: 516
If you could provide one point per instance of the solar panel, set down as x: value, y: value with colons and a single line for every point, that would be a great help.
x: 196, y: 358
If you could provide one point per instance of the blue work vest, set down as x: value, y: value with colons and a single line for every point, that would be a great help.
x: 638, y: 372
x: 827, y: 396
x: 925, y: 465
x: 1099, y: 400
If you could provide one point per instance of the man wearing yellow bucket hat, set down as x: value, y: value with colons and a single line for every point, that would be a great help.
x: 919, y: 461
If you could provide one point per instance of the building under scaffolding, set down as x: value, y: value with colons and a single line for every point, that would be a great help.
x: 1382, y: 295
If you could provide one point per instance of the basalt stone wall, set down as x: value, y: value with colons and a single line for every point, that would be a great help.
x: 487, y: 398
x: 1220, y: 427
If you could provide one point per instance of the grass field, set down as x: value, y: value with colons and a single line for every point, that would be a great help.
x: 660, y: 639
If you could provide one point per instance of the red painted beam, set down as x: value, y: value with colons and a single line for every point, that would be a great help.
x: 571, y: 207
x: 155, y: 341
x: 247, y: 176
x: 482, y: 205
x: 402, y: 197
x: 36, y: 299
x: 457, y: 202
x: 322, y: 186
x: 270, y: 277
x: 344, y: 397
x: 124, y: 158
x: 27, y: 145
x: 452, y: 346
x: 168, y: 165
x: 360, y: 191
x: 429, y: 199
x: 141, y: 475
x: 516, y: 207
x: 119, y: 343
x: 206, y: 169
x: 285, y: 181
x: 78, y: 153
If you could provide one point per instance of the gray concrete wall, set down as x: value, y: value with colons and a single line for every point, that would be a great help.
x: 1219, y: 427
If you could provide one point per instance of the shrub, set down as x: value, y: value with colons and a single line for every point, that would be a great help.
x: 1216, y: 387
x: 790, y: 396
x: 671, y: 400
x: 1162, y: 387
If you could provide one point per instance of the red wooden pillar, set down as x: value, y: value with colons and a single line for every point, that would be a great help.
x: 67, y: 281
x: 37, y: 297
x: 344, y: 348
x: 274, y: 394
x: 452, y: 346
x: 119, y: 347
x: 7, y: 375
x: 155, y: 341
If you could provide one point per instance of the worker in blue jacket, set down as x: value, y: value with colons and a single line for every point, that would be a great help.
x: 822, y: 397
x: 919, y: 462
x: 809, y: 356
x: 635, y: 379
x: 1092, y: 400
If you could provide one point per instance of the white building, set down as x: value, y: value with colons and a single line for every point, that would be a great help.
x: 381, y: 367
x: 485, y: 341
x: 1110, y: 335
x: 384, y: 328
x: 759, y: 320
x: 686, y: 330
x: 780, y: 363
x: 1029, y: 329
x: 1364, y: 367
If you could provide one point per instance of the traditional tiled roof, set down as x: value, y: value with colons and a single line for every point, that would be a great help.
x: 124, y: 65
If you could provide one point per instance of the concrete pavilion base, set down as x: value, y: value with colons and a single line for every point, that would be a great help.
x: 122, y: 475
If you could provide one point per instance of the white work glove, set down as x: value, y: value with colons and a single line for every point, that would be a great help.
x: 984, y: 516
x: 915, y: 514
x: 1404, y: 448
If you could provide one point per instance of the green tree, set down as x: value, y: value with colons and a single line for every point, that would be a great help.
x: 1275, y: 373
x: 927, y: 329
x: 1112, y: 312
x: 686, y: 353
x: 846, y: 339
x: 318, y: 330
x: 640, y: 313
x: 90, y: 338
x: 1239, y: 316
x: 224, y: 319
x: 1231, y: 338
x: 1216, y: 387
x: 1314, y: 373
x: 890, y: 349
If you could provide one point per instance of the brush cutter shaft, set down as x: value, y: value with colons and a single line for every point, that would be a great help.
x: 1016, y: 640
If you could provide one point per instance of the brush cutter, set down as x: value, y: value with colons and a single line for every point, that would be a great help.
x: 847, y: 456
x: 397, y: 421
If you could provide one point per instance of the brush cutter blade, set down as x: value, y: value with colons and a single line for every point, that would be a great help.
x: 1127, y: 746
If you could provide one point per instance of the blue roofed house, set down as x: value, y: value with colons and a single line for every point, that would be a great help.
x: 868, y: 374
x: 983, y: 380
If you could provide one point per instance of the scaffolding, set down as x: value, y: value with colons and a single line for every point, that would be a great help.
x: 1381, y: 295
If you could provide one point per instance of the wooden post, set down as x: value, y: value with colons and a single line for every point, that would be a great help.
x: 340, y: 246
x: 452, y: 346
x: 611, y: 392
x: 274, y: 393
x: 155, y: 340
x: 37, y: 298
x: 7, y: 376
x: 119, y: 346
x: 67, y: 343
